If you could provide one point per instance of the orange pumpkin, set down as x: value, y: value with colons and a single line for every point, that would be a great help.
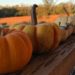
x: 64, y: 33
x: 45, y: 37
x: 70, y: 29
x: 57, y: 36
x: 41, y: 35
x: 15, y: 51
x: 30, y: 30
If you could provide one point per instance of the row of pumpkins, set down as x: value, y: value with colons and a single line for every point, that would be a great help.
x: 20, y: 41
x: 45, y: 37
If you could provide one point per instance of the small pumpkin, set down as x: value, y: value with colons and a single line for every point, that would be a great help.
x: 15, y: 51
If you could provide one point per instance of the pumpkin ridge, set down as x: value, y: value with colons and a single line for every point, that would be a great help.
x: 28, y: 43
x: 45, y: 35
x: 6, y: 56
x: 57, y: 37
x: 30, y: 30
x: 12, y: 61
x: 20, y: 46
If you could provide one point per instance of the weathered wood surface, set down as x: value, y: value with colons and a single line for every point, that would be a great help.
x: 58, y: 63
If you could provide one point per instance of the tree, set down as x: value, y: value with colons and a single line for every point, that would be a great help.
x: 48, y: 6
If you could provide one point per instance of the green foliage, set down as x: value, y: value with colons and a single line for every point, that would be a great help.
x: 15, y: 11
x: 46, y: 9
x: 7, y: 12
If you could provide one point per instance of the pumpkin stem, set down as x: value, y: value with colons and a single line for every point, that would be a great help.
x: 33, y: 15
x: 59, y: 23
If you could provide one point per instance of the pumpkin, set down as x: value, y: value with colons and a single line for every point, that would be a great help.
x: 41, y: 35
x: 67, y: 31
x: 15, y: 51
x: 70, y: 29
x: 30, y: 30
x: 45, y: 37
x: 57, y: 36
x: 73, y: 29
x: 64, y: 33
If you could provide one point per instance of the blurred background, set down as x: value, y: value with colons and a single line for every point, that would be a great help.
x: 10, y: 8
x: 17, y: 11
